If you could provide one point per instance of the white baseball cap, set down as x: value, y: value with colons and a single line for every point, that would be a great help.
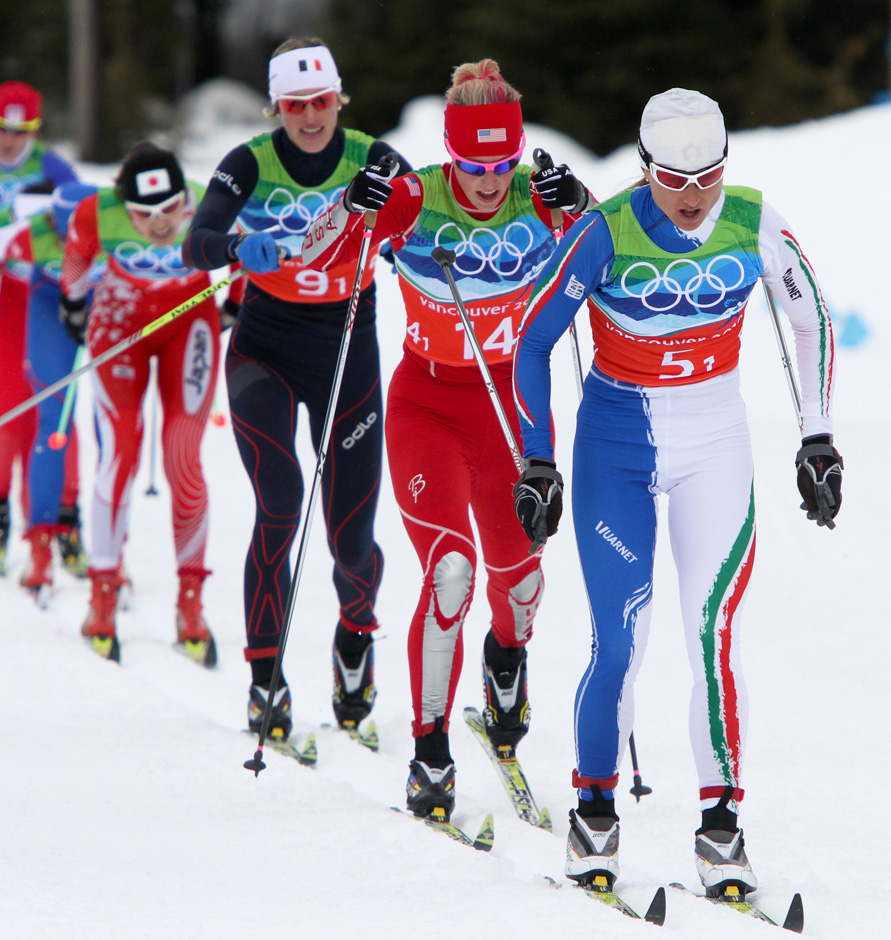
x: 682, y: 130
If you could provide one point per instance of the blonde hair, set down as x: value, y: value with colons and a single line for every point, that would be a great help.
x: 480, y: 83
x: 273, y: 110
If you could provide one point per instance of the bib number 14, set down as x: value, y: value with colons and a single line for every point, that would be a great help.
x: 500, y: 340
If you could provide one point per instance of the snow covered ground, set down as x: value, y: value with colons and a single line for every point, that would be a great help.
x: 126, y: 812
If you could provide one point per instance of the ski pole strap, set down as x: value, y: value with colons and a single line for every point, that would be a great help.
x: 581, y: 782
x: 818, y: 450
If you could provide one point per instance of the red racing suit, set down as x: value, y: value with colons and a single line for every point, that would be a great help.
x: 447, y: 454
x: 143, y: 282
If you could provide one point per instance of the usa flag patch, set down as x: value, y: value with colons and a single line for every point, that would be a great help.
x: 491, y: 135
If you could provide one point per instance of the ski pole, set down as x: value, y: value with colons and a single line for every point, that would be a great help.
x: 444, y: 257
x: 784, y: 353
x: 256, y: 764
x: 216, y: 416
x: 152, y: 490
x: 125, y: 343
x: 59, y: 438
x: 542, y: 160
x: 639, y: 789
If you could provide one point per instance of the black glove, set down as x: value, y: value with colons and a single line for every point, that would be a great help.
x: 538, y: 500
x: 820, y: 478
x: 559, y: 189
x: 369, y: 190
x: 228, y: 314
x: 74, y: 315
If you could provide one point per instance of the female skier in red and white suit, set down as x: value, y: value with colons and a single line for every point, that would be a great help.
x: 141, y: 224
x: 446, y: 451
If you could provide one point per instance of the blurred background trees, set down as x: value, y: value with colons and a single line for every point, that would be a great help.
x: 584, y: 67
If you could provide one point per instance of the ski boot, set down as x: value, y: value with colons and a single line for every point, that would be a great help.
x: 592, y: 850
x: 280, y: 720
x: 507, y: 712
x: 722, y: 865
x: 99, y: 627
x: 38, y: 578
x: 4, y: 534
x: 192, y: 634
x: 354, y: 690
x: 71, y: 548
x: 430, y: 791
x: 721, y: 861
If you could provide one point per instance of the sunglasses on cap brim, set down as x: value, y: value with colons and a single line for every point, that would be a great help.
x: 167, y: 207
x: 20, y: 127
x: 499, y: 167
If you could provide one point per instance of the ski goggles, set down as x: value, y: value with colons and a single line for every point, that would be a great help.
x: 146, y: 213
x: 296, y: 104
x: 678, y: 180
x: 19, y: 127
x: 475, y: 168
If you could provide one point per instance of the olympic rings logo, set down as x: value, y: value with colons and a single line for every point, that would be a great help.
x: 483, y: 247
x: 295, y: 216
x: 673, y: 289
x: 166, y: 261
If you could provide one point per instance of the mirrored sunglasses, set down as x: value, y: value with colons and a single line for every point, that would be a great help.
x: 294, y: 104
x: 475, y: 168
x: 677, y: 180
x: 167, y: 207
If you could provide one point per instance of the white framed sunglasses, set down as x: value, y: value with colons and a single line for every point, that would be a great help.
x: 679, y: 180
x: 146, y: 212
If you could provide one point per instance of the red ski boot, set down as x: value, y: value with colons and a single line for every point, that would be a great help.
x: 38, y: 579
x: 192, y: 634
x: 99, y: 627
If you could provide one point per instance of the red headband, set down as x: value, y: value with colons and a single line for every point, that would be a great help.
x: 20, y: 106
x: 484, y: 130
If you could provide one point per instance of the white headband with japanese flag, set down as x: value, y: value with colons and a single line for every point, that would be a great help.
x: 298, y: 71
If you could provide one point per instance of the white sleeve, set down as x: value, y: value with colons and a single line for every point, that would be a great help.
x: 789, y: 275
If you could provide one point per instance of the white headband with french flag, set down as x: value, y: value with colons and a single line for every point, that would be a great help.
x: 298, y: 71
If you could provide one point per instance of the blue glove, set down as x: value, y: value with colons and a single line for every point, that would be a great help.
x: 257, y: 252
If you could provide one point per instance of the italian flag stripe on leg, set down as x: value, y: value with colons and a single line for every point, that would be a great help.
x: 716, y: 632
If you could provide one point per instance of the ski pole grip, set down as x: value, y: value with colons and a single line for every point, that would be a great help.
x: 390, y: 163
x: 542, y: 159
x: 444, y: 257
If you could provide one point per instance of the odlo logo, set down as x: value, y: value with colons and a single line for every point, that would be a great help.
x: 359, y: 431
